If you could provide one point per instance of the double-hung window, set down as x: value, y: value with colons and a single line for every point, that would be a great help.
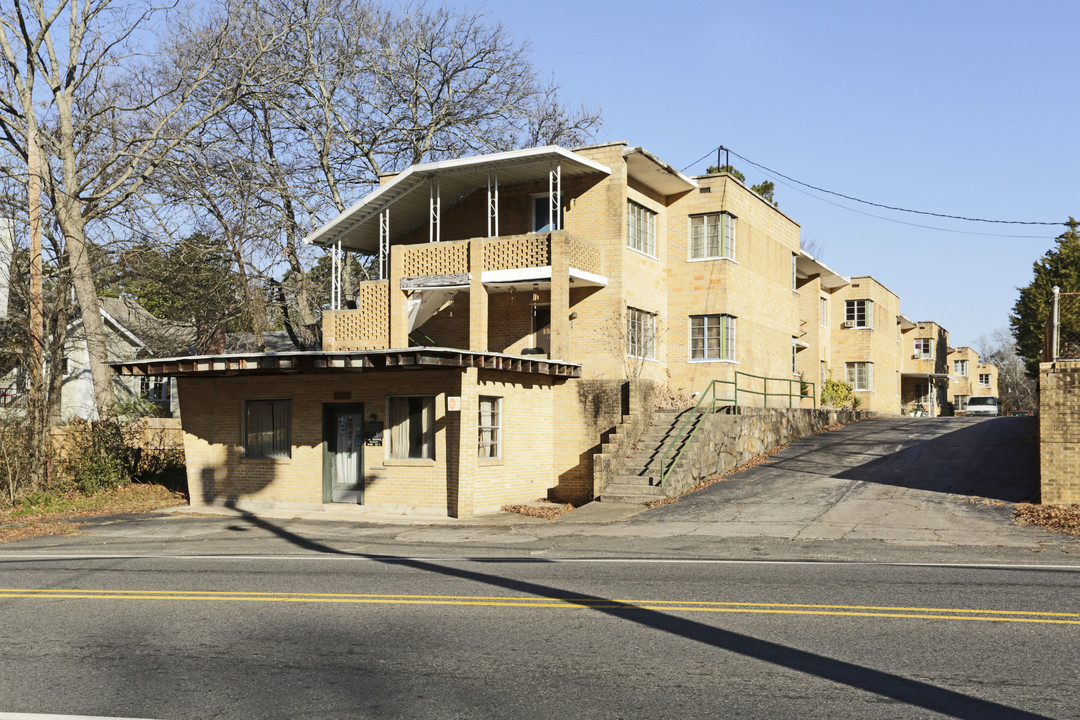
x: 859, y: 313
x: 960, y: 369
x: 712, y: 337
x: 712, y: 236
x: 984, y: 380
x: 412, y: 427
x: 640, y: 334
x: 823, y: 311
x: 267, y: 428
x: 960, y: 403
x: 641, y: 233
x: 924, y: 348
x: 490, y: 426
x: 860, y: 375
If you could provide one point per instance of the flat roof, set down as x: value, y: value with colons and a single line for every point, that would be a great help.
x: 316, y: 361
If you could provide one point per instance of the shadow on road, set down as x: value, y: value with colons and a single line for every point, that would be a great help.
x: 895, y: 687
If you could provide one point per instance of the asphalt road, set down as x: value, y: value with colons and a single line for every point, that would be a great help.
x: 873, y: 572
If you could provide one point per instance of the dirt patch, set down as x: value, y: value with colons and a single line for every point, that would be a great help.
x: 542, y: 509
x: 56, y: 516
x: 1058, y: 518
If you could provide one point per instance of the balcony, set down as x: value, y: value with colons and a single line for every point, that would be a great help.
x: 425, y: 277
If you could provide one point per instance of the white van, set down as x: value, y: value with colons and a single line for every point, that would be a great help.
x: 983, y: 405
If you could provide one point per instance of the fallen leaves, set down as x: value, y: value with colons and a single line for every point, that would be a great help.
x: 542, y: 509
x: 1059, y: 518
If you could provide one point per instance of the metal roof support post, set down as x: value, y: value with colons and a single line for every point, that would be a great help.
x: 554, y: 195
x: 335, y: 276
x: 1057, y: 325
x: 384, y: 244
x: 493, y: 203
x: 435, y: 204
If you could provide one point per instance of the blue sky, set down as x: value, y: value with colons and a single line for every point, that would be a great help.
x: 961, y: 108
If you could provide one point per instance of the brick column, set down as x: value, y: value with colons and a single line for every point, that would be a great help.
x: 399, y: 307
x: 560, y: 295
x: 478, y: 299
x: 468, y: 433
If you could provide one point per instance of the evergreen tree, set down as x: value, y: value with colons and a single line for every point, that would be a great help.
x: 1060, y: 267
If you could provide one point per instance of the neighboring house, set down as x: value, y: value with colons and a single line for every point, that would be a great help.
x: 130, y: 332
x: 519, y: 295
x: 969, y: 378
x: 925, y: 374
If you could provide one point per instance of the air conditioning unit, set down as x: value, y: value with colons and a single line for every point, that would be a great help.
x: 917, y: 356
x: 849, y: 323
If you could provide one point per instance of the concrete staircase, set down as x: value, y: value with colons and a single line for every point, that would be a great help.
x: 637, y: 479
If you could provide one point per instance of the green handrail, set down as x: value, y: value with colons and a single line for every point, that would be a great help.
x: 710, y: 395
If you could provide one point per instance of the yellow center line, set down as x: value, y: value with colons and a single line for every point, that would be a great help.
x: 934, y: 613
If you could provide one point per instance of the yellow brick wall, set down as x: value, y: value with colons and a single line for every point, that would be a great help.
x: 880, y: 344
x: 1059, y: 432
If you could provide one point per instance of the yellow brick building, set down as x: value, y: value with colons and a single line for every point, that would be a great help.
x: 518, y: 293
x: 968, y: 378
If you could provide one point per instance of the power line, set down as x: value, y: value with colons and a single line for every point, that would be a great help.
x: 868, y: 202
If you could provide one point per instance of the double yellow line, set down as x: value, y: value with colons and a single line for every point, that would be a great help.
x: 1017, y: 616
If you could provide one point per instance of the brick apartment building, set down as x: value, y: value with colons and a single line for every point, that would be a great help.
x: 519, y: 292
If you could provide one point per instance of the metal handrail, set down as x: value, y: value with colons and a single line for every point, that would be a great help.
x: 710, y: 394
x: 764, y: 392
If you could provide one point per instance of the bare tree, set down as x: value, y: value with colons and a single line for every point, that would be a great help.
x: 362, y: 91
x: 111, y: 113
x: 1016, y: 388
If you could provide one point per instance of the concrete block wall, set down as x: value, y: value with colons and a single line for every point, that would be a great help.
x: 1059, y: 432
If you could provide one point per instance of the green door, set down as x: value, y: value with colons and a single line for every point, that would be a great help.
x: 343, y: 458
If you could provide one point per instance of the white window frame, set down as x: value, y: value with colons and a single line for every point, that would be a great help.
x: 725, y: 236
x: 794, y: 356
x: 276, y: 440
x: 924, y: 348
x: 852, y: 313
x: 426, y: 450
x: 641, y: 228
x: 960, y: 403
x: 986, y: 383
x: 823, y: 311
x: 492, y: 426
x: 723, y: 349
x: 794, y: 272
x: 640, y: 333
x: 960, y: 368
x: 852, y: 375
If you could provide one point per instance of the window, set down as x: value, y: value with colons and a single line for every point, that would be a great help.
x: 641, y: 235
x: 960, y: 368
x: 960, y: 403
x: 794, y: 359
x: 154, y: 389
x: 922, y: 394
x: 794, y: 271
x: 859, y: 313
x: 412, y: 427
x: 640, y: 333
x: 860, y: 375
x: 823, y: 311
x: 712, y: 337
x: 267, y: 429
x: 712, y: 236
x: 984, y: 380
x: 924, y: 348
x: 490, y: 445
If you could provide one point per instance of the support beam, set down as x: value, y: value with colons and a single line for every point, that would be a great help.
x: 493, y: 203
x: 384, y: 244
x: 435, y: 207
x: 555, y: 196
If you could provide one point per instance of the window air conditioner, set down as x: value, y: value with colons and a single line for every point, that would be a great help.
x: 849, y: 323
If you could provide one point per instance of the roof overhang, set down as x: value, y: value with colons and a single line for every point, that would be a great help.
x: 357, y: 228
x: 920, y: 376
x: 292, y: 363
x: 654, y: 173
x: 906, y: 323
x: 808, y: 265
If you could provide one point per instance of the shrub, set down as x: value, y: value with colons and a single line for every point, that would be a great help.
x: 98, y: 455
x: 835, y: 392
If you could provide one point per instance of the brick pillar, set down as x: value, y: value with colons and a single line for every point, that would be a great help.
x: 468, y: 434
x: 399, y: 307
x: 560, y: 295
x: 478, y: 299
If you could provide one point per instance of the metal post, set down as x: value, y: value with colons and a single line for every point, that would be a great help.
x: 384, y: 244
x: 1057, y: 325
x: 435, y: 204
x: 335, y: 279
x: 493, y: 204
x: 555, y: 195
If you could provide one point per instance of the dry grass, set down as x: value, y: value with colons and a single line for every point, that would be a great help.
x: 1058, y: 518
x: 53, y: 516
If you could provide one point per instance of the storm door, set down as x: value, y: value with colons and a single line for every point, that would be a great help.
x: 343, y: 459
